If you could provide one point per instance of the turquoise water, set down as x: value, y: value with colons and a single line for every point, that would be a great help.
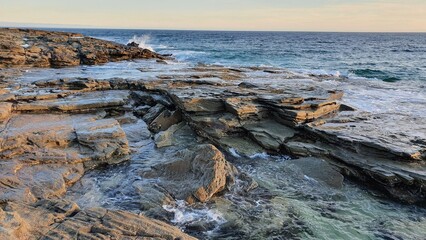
x: 385, y: 56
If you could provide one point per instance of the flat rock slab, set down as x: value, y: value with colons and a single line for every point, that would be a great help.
x: 382, y: 131
x: 80, y: 102
x: 270, y: 134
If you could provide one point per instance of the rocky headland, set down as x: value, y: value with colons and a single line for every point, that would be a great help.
x: 37, y: 48
x: 54, y: 131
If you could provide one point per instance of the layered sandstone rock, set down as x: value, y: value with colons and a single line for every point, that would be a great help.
x: 19, y: 47
x: 195, y: 174
x: 303, y: 120
x: 42, y: 155
x: 54, y: 131
x: 60, y: 219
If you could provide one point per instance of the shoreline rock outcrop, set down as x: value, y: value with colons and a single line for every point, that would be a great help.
x: 54, y: 131
x: 61, y: 219
x: 38, y: 48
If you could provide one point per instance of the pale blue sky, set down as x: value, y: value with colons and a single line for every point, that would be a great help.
x: 301, y: 15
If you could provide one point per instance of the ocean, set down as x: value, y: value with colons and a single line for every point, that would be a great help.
x: 380, y: 56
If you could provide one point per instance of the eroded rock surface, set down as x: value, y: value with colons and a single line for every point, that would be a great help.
x: 60, y: 219
x: 295, y: 116
x: 42, y: 155
x: 174, y: 127
x: 194, y: 174
x: 38, y: 48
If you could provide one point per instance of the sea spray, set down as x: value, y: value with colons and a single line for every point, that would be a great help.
x: 142, y: 41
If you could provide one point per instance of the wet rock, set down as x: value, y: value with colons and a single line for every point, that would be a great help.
x: 161, y: 61
x: 153, y: 112
x: 41, y: 159
x: 106, y: 143
x: 136, y: 131
x: 141, y: 110
x: 216, y: 125
x: 165, y: 138
x: 270, y: 134
x: 247, y: 85
x: 320, y: 170
x: 133, y: 44
x: 203, y: 105
x: 195, y: 174
x: 304, y: 149
x: 240, y: 146
x: 143, y: 98
x: 61, y: 219
x: 372, y: 153
x: 152, y: 198
x: 163, y: 99
x: 164, y: 120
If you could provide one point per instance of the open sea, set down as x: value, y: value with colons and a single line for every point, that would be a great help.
x: 382, y: 56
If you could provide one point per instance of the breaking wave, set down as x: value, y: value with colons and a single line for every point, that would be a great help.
x: 143, y: 41
x: 375, y: 74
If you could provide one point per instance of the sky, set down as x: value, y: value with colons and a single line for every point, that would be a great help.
x: 267, y: 15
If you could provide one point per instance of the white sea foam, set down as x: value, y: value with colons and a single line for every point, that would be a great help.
x: 143, y: 41
x: 234, y: 152
x: 262, y: 155
x: 184, y: 214
x: 320, y: 72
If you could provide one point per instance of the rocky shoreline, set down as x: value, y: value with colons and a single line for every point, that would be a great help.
x: 54, y: 131
x: 37, y: 48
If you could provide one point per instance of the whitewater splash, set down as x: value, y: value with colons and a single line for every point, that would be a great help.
x: 186, y: 215
x: 142, y: 41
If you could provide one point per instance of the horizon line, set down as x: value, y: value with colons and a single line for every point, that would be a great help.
x: 66, y: 26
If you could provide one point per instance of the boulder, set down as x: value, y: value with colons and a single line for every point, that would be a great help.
x: 196, y: 174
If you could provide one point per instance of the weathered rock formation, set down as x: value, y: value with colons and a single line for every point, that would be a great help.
x: 42, y: 154
x: 53, y: 131
x: 39, y: 48
x: 194, y: 174
x: 302, y: 120
x: 60, y: 219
